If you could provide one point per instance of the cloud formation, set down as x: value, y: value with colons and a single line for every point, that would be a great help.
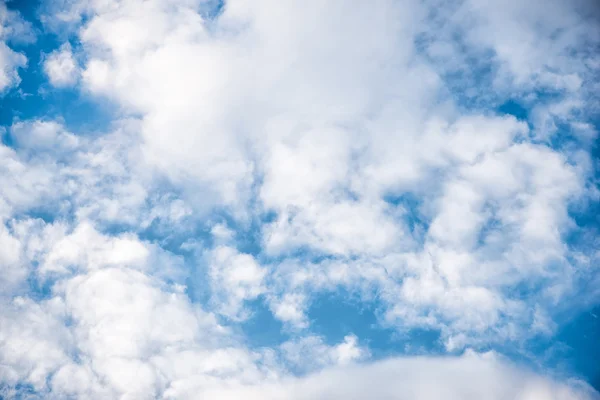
x: 266, y: 153
x: 61, y: 68
x: 468, y: 377
x: 12, y: 29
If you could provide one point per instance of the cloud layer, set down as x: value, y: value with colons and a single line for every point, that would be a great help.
x: 430, y: 160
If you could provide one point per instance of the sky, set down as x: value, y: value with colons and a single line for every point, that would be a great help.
x: 284, y: 199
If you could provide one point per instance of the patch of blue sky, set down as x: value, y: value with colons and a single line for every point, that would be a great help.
x: 582, y: 352
x: 35, y: 98
x: 48, y: 213
x: 468, y: 77
x: 575, y: 347
x: 196, y: 288
x: 515, y: 108
x: 247, y: 236
x: 39, y: 289
x: 586, y: 234
x: 572, y: 352
x: 211, y: 9
x: 262, y: 329
x: 21, y: 391
x: 335, y: 315
x: 413, y: 215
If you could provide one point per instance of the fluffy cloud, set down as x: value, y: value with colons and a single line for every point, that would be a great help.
x: 283, y: 150
x: 12, y: 29
x: 61, y: 67
x: 311, y: 353
x: 234, y: 278
x: 469, y: 377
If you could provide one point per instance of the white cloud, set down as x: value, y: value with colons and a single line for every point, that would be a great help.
x: 12, y: 28
x: 234, y: 278
x: 61, y: 67
x: 38, y: 136
x: 86, y: 248
x: 101, y: 178
x: 471, y: 376
x: 9, y: 64
x: 111, y: 326
x: 339, y: 145
x: 328, y: 136
x: 33, y: 341
x: 310, y: 353
x: 290, y: 308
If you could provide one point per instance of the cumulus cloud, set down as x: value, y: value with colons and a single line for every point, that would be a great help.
x: 270, y: 152
x: 310, y: 353
x: 12, y: 29
x: 471, y: 376
x: 235, y: 278
x: 61, y: 67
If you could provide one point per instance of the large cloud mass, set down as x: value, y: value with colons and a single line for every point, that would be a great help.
x: 430, y: 159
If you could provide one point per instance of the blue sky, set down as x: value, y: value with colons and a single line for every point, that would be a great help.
x: 206, y: 199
